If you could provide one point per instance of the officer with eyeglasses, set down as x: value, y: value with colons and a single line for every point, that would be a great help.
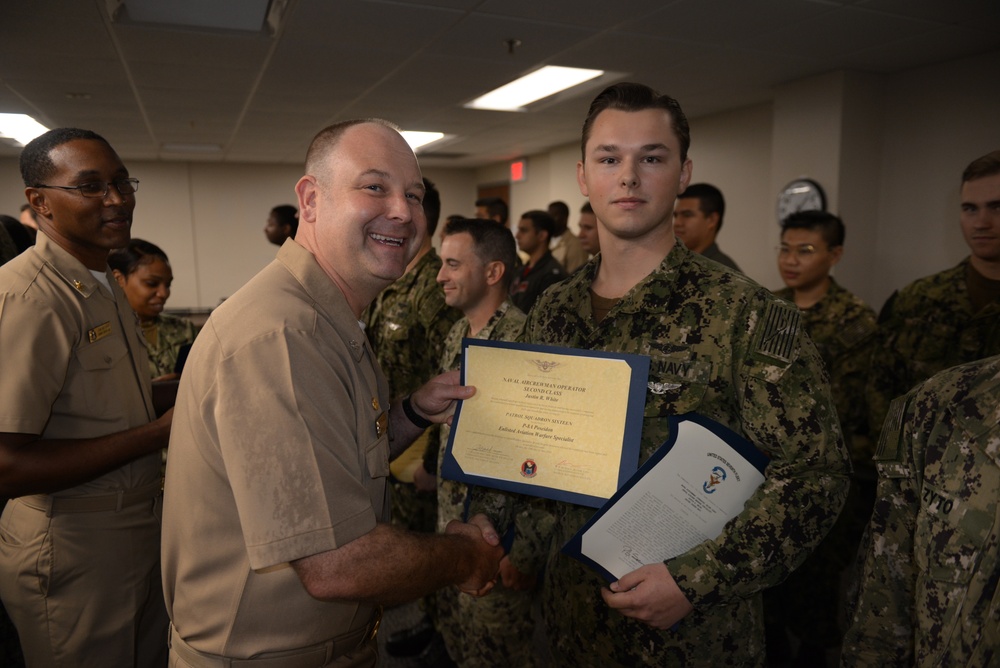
x: 79, y: 436
x: 843, y: 328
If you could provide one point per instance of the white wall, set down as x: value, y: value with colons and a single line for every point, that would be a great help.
x: 937, y: 120
x: 889, y: 151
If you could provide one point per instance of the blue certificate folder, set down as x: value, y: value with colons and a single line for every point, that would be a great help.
x: 754, y: 457
x: 639, y: 365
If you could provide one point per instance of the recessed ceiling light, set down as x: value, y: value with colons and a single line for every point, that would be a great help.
x: 417, y: 139
x: 541, y: 83
x: 244, y: 15
x: 20, y: 127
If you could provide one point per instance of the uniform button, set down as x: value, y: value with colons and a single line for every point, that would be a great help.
x: 107, y: 358
x: 375, y: 403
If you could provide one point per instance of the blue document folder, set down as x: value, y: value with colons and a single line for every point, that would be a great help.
x: 713, y: 478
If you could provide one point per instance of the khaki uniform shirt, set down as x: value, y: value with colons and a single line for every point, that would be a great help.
x: 77, y: 585
x: 931, y: 559
x: 569, y: 253
x: 74, y: 365
x: 278, y: 451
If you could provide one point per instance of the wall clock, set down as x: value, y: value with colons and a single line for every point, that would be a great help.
x: 800, y: 195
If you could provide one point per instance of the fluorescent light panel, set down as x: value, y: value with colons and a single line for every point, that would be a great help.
x: 549, y: 80
x: 417, y: 139
x: 246, y: 15
x: 20, y: 127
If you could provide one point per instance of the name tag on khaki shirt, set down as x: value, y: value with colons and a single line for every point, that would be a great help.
x: 99, y: 332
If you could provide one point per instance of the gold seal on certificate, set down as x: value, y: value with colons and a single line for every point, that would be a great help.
x: 561, y: 423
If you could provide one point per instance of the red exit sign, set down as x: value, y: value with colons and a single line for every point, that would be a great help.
x: 519, y: 171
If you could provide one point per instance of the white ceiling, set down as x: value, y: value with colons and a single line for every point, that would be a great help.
x: 261, y: 97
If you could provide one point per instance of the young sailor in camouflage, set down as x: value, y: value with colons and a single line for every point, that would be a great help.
x: 478, y: 267
x: 951, y: 317
x: 843, y: 329
x: 720, y: 345
x: 929, y: 593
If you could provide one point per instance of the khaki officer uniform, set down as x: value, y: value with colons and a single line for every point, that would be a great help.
x: 279, y: 450
x: 79, y: 568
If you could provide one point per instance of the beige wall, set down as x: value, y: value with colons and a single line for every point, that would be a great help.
x: 889, y: 151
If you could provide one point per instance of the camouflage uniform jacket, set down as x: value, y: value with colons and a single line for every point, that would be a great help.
x: 843, y: 328
x: 724, y: 347
x: 927, y: 327
x: 407, y: 324
x: 172, y: 332
x: 929, y: 593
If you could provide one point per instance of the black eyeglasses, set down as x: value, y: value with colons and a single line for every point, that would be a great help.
x: 100, y: 188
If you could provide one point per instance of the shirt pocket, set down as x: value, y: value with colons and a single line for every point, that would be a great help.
x: 377, y: 457
x: 677, y: 384
x: 101, y: 355
x: 949, y: 536
x: 948, y: 547
x: 926, y: 343
x: 103, y: 367
x: 396, y: 325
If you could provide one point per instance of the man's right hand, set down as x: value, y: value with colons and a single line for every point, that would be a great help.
x: 484, y: 554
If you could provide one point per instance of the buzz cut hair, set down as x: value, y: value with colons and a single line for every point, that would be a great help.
x: 490, y: 242
x: 36, y: 160
x: 327, y: 138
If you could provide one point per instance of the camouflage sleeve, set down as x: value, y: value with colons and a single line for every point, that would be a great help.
x: 437, y: 318
x: 881, y: 632
x: 533, y: 528
x: 887, y: 377
x: 849, y: 380
x: 786, y: 410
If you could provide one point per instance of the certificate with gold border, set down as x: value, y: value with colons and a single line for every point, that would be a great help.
x: 560, y: 423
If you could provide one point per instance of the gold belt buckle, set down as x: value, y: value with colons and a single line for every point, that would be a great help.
x: 377, y: 615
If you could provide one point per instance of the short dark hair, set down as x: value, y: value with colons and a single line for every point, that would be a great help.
x: 637, y: 97
x: 36, y: 163
x: 829, y: 226
x: 988, y: 165
x: 327, y: 138
x: 495, y: 206
x: 491, y: 243
x: 286, y: 214
x: 135, y: 253
x: 586, y: 208
x: 542, y: 221
x: 710, y: 200
x: 432, y: 206
x: 560, y: 213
